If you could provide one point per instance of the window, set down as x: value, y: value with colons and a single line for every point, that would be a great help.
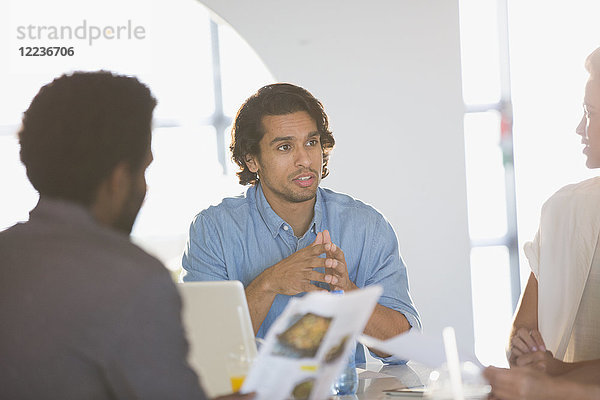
x: 545, y: 89
x: 200, y: 71
x: 490, y: 174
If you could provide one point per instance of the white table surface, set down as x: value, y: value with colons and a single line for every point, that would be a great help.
x: 374, y: 379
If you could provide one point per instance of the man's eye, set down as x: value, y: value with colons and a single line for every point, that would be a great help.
x: 313, y: 142
x: 284, y: 147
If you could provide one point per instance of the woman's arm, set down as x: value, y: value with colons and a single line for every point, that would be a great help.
x: 525, y: 337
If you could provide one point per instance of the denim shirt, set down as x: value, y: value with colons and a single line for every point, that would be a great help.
x: 241, y: 237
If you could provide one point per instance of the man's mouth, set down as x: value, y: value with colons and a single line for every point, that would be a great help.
x: 304, y: 180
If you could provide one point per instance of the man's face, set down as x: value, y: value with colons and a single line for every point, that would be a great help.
x: 290, y: 162
x: 589, y: 127
x: 137, y: 193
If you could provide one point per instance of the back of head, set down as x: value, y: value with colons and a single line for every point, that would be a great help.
x: 79, y: 127
x: 275, y: 99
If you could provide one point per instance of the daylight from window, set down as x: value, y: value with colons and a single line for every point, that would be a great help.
x: 547, y: 79
x: 186, y: 48
x: 191, y: 168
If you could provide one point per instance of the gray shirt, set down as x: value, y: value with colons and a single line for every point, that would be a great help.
x: 85, y: 314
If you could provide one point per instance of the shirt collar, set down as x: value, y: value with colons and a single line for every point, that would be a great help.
x: 274, y: 222
x: 70, y: 212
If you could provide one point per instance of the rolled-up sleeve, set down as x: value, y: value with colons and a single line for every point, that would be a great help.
x: 203, y: 258
x: 389, y: 271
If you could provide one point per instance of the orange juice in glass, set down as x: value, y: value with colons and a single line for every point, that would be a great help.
x: 237, y: 382
x: 238, y: 365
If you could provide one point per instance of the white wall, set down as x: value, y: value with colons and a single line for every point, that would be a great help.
x: 388, y: 73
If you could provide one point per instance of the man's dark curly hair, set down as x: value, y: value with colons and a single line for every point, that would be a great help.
x: 275, y: 99
x: 79, y: 127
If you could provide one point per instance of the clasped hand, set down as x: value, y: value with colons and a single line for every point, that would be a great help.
x: 528, y: 349
x: 294, y: 274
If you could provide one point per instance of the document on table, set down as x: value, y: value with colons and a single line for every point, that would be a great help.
x: 417, y: 346
x: 366, y: 374
x: 309, y: 344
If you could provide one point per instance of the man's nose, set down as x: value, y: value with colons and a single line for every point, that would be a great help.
x: 302, y: 157
x: 581, y: 128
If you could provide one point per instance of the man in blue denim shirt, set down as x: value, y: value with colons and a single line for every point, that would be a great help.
x: 286, y: 235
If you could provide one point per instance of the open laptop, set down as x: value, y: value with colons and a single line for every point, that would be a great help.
x: 217, y: 322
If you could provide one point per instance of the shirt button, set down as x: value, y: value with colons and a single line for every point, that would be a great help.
x: 285, y: 228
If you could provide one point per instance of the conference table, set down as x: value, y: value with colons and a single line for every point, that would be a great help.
x: 375, y: 379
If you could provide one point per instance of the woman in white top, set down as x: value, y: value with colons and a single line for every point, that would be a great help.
x: 557, y: 324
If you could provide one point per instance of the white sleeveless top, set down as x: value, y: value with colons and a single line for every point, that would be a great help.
x: 561, y: 257
x: 584, y: 343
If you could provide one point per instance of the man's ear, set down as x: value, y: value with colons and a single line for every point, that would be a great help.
x: 112, y: 194
x: 251, y: 163
x: 119, y: 181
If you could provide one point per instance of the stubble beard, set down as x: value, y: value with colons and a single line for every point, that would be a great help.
x: 290, y: 195
x: 128, y: 215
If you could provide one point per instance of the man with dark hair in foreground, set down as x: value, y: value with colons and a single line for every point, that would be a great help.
x: 85, y: 313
